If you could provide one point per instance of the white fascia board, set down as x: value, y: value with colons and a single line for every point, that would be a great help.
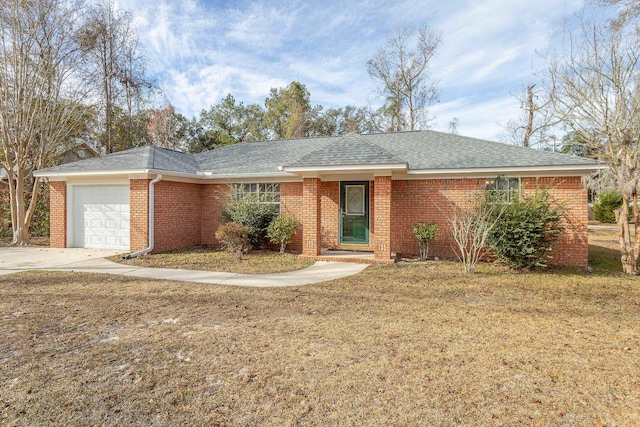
x: 107, y: 173
x: 227, y: 176
x: 339, y: 168
x: 517, y: 170
x: 141, y: 173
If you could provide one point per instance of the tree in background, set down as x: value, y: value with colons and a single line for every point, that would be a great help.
x: 114, y: 68
x: 531, y: 128
x: 405, y: 81
x: 597, y: 95
x: 340, y: 121
x: 167, y: 129
x: 288, y: 112
x: 40, y: 98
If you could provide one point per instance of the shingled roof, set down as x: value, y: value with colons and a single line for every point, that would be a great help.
x: 419, y: 151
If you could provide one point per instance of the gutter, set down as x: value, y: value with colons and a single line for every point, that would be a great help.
x: 151, y: 220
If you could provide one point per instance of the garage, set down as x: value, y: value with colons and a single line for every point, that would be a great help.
x: 99, y: 217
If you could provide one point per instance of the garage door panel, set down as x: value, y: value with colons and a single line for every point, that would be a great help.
x: 101, y: 216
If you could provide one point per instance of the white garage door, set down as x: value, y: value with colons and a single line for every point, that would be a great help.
x: 100, y: 217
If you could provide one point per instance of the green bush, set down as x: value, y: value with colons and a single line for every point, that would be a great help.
x: 234, y: 238
x: 281, y: 230
x: 607, y: 203
x: 251, y: 211
x: 526, y: 232
x: 424, y: 232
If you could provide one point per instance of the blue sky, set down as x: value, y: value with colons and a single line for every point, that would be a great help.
x: 199, y: 51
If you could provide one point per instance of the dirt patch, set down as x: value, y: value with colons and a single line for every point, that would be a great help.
x: 211, y: 259
x: 417, y: 344
x: 42, y: 242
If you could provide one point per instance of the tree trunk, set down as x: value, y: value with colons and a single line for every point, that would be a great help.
x: 627, y: 255
x: 18, y: 212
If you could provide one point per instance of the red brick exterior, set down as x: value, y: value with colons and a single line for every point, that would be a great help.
x: 572, y: 247
x: 382, y: 217
x: 58, y: 214
x: 214, y: 198
x: 189, y: 214
x: 178, y: 215
x: 138, y: 214
x: 311, y: 217
x: 291, y: 205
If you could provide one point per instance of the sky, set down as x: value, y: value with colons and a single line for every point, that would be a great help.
x: 199, y: 51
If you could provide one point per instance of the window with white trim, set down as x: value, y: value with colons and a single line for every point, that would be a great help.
x: 507, y: 189
x: 266, y: 192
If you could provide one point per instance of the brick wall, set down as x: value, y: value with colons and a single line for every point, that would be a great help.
x: 572, y: 247
x: 58, y: 214
x: 139, y: 214
x: 178, y: 218
x: 437, y: 199
x: 382, y: 218
x: 311, y: 236
x: 214, y: 199
x: 291, y: 205
x: 428, y: 200
x: 330, y: 221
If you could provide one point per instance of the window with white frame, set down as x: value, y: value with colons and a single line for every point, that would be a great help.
x: 268, y: 193
x: 507, y: 189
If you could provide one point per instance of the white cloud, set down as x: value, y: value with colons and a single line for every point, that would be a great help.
x: 201, y: 50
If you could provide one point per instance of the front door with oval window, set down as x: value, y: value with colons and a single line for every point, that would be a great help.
x: 354, y: 212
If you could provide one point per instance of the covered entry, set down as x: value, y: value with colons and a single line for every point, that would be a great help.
x: 354, y: 212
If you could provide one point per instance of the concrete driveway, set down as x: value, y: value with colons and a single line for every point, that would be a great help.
x: 13, y: 260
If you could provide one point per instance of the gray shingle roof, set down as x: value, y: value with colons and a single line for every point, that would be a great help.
x: 421, y: 150
x: 148, y: 157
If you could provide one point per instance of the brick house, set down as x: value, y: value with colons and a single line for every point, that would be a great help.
x: 353, y: 192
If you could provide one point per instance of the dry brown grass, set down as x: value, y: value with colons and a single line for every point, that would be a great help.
x: 418, y: 344
x: 212, y: 259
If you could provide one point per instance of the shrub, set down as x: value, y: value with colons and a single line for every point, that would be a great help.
x: 234, y: 237
x: 281, y: 230
x: 250, y: 211
x: 526, y: 232
x: 425, y: 232
x: 607, y: 203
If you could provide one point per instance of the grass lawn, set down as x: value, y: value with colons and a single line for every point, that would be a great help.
x: 406, y: 344
x: 211, y: 259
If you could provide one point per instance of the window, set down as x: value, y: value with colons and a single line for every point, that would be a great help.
x: 265, y: 192
x: 507, y: 189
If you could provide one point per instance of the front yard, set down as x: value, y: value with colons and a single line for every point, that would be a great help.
x: 417, y: 344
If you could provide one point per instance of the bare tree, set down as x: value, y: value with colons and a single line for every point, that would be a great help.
x: 39, y: 96
x: 406, y: 83
x: 453, y: 125
x: 167, y: 129
x: 597, y: 75
x: 471, y: 227
x: 536, y: 118
x: 114, y: 67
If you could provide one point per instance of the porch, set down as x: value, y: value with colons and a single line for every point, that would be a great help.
x: 337, y: 255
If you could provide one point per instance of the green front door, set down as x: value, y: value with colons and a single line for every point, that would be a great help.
x: 354, y: 212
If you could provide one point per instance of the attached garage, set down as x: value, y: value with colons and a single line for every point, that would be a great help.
x: 98, y: 216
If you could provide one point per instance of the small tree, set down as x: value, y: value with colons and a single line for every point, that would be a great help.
x: 425, y: 232
x: 526, y: 231
x: 471, y: 229
x: 253, y: 211
x: 234, y: 238
x: 607, y: 204
x: 281, y: 230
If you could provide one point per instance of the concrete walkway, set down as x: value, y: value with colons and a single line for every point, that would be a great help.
x: 13, y: 260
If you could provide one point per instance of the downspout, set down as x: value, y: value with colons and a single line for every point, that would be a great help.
x: 151, y: 220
